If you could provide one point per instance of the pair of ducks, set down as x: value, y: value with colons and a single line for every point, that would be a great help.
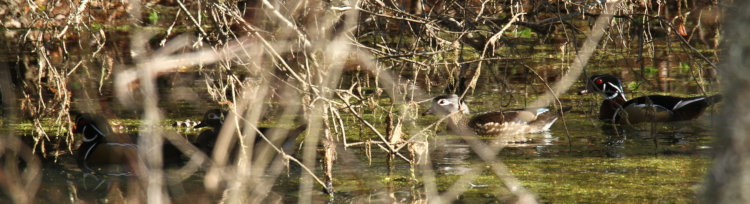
x: 614, y: 109
x: 113, y: 153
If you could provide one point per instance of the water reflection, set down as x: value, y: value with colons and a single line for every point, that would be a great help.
x: 451, y: 156
x: 524, y: 140
x: 685, y: 137
x: 455, y: 156
x: 93, y: 186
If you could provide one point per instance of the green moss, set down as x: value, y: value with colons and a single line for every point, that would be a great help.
x: 591, y: 179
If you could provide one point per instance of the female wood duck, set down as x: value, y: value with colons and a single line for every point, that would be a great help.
x: 108, y: 152
x: 214, y: 120
x: 654, y: 108
x: 492, y: 123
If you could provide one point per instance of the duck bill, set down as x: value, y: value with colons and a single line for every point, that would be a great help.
x: 428, y: 112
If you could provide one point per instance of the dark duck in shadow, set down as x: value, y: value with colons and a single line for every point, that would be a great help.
x: 616, y: 108
x: 107, y: 152
x: 510, y: 122
x: 213, y: 119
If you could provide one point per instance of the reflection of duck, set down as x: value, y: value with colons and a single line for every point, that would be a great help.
x: 492, y: 123
x: 451, y: 156
x: 524, y: 140
x: 104, y: 150
x: 92, y: 186
x: 654, y: 108
x: 214, y: 120
x: 187, y: 124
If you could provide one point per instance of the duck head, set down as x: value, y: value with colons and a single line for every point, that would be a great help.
x: 213, y: 118
x: 608, y: 85
x: 92, y: 127
x: 447, y: 104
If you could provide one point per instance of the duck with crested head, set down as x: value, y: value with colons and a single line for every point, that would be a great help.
x: 509, y: 122
x: 616, y: 108
x: 106, y: 151
x: 214, y: 120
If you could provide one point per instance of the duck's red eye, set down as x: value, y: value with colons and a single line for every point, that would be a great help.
x: 598, y: 81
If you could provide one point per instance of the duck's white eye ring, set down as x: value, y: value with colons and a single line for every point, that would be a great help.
x: 442, y: 102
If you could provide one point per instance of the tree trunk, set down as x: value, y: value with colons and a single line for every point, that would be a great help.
x: 729, y: 178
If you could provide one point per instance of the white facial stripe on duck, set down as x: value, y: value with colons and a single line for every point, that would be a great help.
x: 98, y: 131
x: 618, y: 91
x: 605, y: 83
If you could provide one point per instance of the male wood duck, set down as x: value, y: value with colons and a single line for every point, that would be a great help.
x: 108, y: 152
x: 654, y: 108
x: 102, y: 148
x: 492, y: 123
x: 214, y: 120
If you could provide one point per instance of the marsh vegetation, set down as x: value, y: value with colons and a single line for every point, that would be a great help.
x: 359, y: 74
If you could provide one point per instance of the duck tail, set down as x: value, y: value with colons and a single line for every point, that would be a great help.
x: 292, y: 136
x: 298, y: 130
x: 714, y: 99
x: 566, y: 109
x: 544, y: 121
x: 546, y: 118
